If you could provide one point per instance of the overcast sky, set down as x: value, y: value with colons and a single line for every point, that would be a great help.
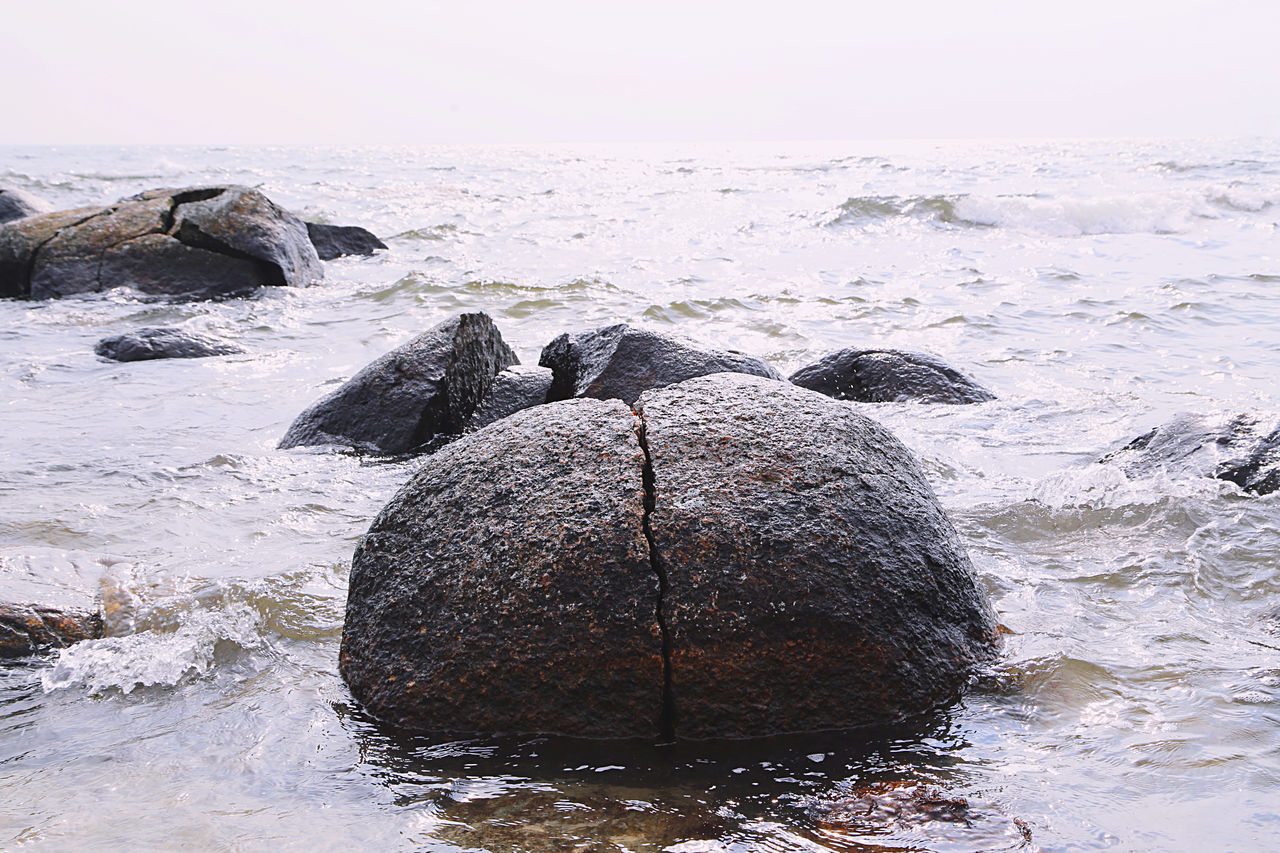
x: 383, y: 71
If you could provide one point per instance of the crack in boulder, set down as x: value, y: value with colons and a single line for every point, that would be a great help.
x: 667, y: 717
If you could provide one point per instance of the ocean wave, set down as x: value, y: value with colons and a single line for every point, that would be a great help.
x: 860, y: 210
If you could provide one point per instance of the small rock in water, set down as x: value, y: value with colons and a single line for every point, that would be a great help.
x: 15, y: 204
x: 889, y: 376
x: 29, y: 628
x: 336, y: 241
x: 621, y: 362
x: 162, y: 342
x: 1232, y: 447
x: 514, y: 389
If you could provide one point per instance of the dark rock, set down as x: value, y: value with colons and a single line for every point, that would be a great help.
x: 744, y: 558
x: 15, y: 204
x: 162, y: 342
x: 516, y: 388
x: 418, y: 392
x: 200, y: 241
x: 1230, y: 447
x: 507, y: 587
x: 620, y: 362
x: 334, y: 241
x: 889, y: 376
x: 812, y: 579
x: 29, y: 628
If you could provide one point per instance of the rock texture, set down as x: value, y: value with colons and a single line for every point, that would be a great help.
x: 507, y: 587
x: 335, y: 241
x: 514, y: 389
x: 29, y: 628
x: 621, y: 362
x: 162, y: 342
x: 889, y: 376
x: 739, y: 557
x: 812, y: 579
x: 1230, y: 447
x: 15, y: 204
x: 417, y: 393
x: 194, y: 242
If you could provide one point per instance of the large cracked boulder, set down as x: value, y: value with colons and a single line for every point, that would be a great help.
x: 736, y: 557
x: 162, y: 342
x: 1237, y: 448
x: 15, y: 204
x: 194, y: 242
x: 622, y: 362
x: 889, y: 376
x: 417, y: 394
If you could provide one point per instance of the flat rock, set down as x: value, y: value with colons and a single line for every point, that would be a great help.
x: 26, y: 629
x: 622, y: 362
x: 889, y: 376
x: 419, y: 392
x: 514, y: 389
x: 507, y: 587
x: 1238, y: 448
x: 15, y: 204
x: 192, y: 242
x: 162, y: 342
x: 336, y: 241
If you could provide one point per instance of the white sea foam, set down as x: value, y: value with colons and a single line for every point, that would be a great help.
x: 1139, y: 213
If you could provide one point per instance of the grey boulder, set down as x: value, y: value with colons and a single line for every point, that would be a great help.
x: 414, y: 396
x: 514, y: 389
x: 162, y: 342
x: 335, y: 241
x: 889, y: 376
x: 622, y: 362
x: 15, y: 204
x: 1237, y: 448
x: 195, y: 242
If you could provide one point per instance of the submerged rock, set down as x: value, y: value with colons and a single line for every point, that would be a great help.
x: 514, y: 389
x: 741, y: 558
x: 1237, y: 448
x: 507, y: 587
x: 889, y: 376
x: 621, y: 362
x: 162, y: 342
x: 29, y: 628
x: 195, y: 242
x: 15, y: 204
x: 416, y: 393
x: 335, y: 241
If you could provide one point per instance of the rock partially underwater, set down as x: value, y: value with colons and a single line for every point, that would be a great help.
x: 193, y: 242
x: 889, y: 376
x: 336, y: 241
x: 1237, y: 448
x: 740, y: 558
x: 15, y: 204
x: 162, y: 342
x: 26, y: 629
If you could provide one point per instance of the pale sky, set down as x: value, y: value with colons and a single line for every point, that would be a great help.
x: 384, y: 71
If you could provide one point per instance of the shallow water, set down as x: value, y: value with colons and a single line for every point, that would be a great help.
x: 1096, y: 287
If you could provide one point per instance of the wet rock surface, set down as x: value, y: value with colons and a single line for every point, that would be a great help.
x: 507, y: 587
x: 193, y: 242
x: 1238, y: 448
x: 812, y: 579
x: 418, y: 392
x: 744, y: 558
x: 888, y: 376
x: 622, y: 362
x: 336, y: 241
x: 15, y: 204
x: 517, y: 388
x: 30, y: 628
x: 162, y: 342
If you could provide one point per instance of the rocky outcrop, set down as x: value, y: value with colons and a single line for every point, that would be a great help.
x: 889, y: 376
x: 507, y: 587
x: 416, y: 394
x: 15, y: 204
x: 335, y: 241
x: 195, y: 242
x: 737, y: 557
x: 30, y: 628
x: 162, y: 342
x: 514, y: 389
x: 1237, y: 448
x: 621, y: 362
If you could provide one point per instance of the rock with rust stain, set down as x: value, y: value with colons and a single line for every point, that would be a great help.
x: 26, y: 629
x: 738, y: 557
x: 889, y: 376
x: 507, y: 587
x: 419, y: 393
x: 1238, y: 448
x: 621, y: 362
x: 194, y: 242
x: 337, y: 241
